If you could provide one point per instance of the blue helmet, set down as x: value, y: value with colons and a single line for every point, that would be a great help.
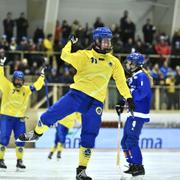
x: 101, y: 33
x: 18, y: 74
x: 137, y: 58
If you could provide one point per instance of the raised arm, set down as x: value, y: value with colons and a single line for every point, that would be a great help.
x: 39, y: 83
x: 76, y: 59
x: 4, y: 82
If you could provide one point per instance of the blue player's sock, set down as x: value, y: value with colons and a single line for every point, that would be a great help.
x: 127, y: 155
x: 136, y: 156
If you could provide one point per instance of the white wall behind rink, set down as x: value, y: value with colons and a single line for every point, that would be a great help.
x: 156, y: 117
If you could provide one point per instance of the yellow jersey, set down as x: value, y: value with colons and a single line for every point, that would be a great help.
x: 70, y: 120
x: 15, y: 100
x: 94, y: 71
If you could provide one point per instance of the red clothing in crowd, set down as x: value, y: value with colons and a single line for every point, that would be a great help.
x: 163, y: 48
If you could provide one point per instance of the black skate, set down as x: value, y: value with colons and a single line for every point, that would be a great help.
x: 31, y: 136
x: 137, y: 170
x: 20, y: 165
x: 2, y: 164
x: 59, y: 155
x: 129, y: 171
x: 50, y: 155
x: 81, y: 174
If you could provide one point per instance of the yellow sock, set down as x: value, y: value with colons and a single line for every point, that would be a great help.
x: 84, y: 156
x: 2, y: 151
x: 53, y: 149
x: 59, y: 147
x: 41, y: 128
x: 19, y: 152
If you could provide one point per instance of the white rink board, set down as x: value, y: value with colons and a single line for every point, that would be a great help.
x: 107, y: 139
x: 159, y: 165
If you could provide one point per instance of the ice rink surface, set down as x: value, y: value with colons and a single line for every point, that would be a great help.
x: 159, y: 165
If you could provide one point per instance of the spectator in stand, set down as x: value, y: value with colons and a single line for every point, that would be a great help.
x: 176, y: 42
x: 48, y: 44
x: 148, y: 32
x: 58, y: 31
x: 54, y: 76
x: 155, y: 73
x: 23, y: 46
x: 8, y: 25
x: 24, y: 67
x: 4, y: 43
x: 2, y: 52
x: 165, y: 69
x: 116, y: 40
x: 171, y: 95
x: 66, y: 77
x: 98, y: 23
x: 139, y: 46
x: 176, y: 37
x: 66, y: 31
x: 38, y: 34
x: 129, y: 47
x: 32, y: 46
x: 128, y: 31
x: 13, y: 45
x: 162, y: 47
x: 22, y: 27
x: 39, y: 45
x: 127, y: 27
x: 34, y: 69
x: 74, y: 27
x: 123, y: 22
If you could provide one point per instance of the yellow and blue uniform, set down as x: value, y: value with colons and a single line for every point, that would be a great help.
x: 87, y: 94
x: 13, y: 106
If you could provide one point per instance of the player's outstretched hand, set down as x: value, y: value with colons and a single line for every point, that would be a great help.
x: 2, y: 61
x: 73, y: 39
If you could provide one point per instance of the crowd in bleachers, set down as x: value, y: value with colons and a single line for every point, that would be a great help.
x: 125, y: 40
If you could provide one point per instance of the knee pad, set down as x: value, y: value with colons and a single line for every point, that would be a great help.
x: 20, y: 149
x: 131, y: 141
x: 2, y: 148
x: 88, y: 140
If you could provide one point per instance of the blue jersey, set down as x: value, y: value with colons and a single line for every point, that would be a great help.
x: 141, y: 91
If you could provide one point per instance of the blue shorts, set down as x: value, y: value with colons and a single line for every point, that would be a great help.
x: 77, y: 101
x: 9, y: 123
x: 61, y: 133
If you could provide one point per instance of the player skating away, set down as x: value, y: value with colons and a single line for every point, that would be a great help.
x: 15, y: 97
x: 95, y: 67
x: 140, y: 87
x: 62, y: 130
